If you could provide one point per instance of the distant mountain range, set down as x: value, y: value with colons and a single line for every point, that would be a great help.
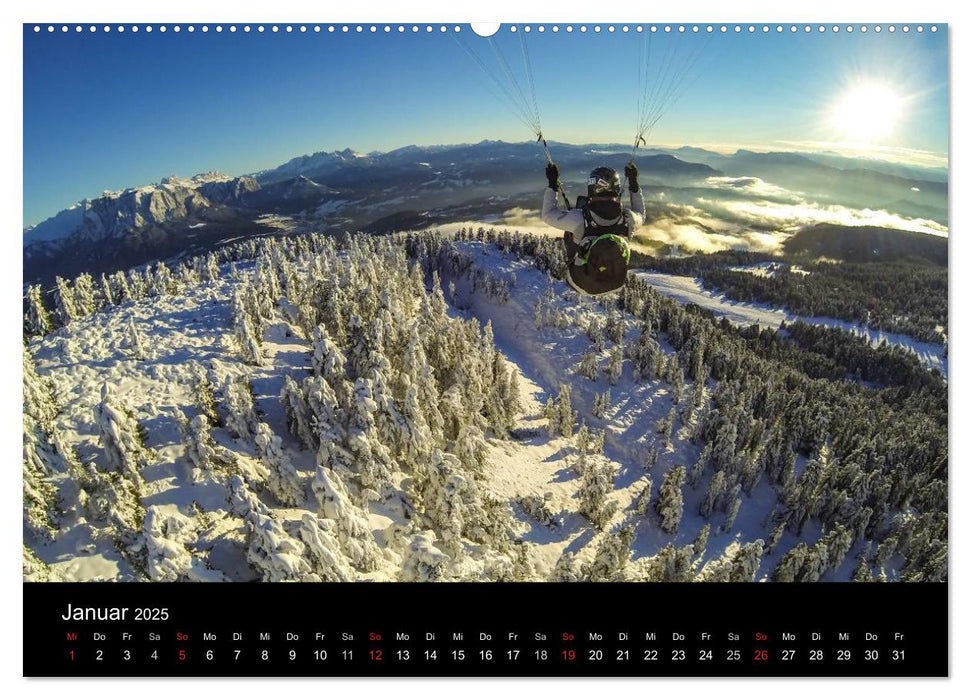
x: 413, y: 185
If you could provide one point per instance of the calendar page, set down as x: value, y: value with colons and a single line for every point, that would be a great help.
x: 591, y: 349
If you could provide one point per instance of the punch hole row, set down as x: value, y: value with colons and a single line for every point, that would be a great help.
x: 442, y: 29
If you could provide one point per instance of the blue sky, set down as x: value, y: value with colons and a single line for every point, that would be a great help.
x: 108, y: 111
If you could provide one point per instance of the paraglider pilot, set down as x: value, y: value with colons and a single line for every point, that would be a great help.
x: 597, y: 263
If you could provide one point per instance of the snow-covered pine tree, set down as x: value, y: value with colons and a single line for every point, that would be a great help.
x: 209, y: 270
x: 323, y: 549
x: 701, y: 542
x: 422, y: 377
x: 589, y: 365
x: 665, y: 426
x: 670, y: 501
x: 454, y: 412
x: 390, y: 424
x: 670, y: 565
x: 250, y: 346
x: 84, y: 295
x: 203, y: 455
x: 38, y: 394
x: 120, y: 289
x: 135, y: 344
x: 106, y: 295
x: 165, y: 281
x: 698, y: 468
x: 651, y: 460
x: 327, y: 418
x: 802, y: 563
x: 333, y: 452
x: 863, y: 573
x: 751, y: 472
x: 267, y: 287
x: 424, y: 561
x: 298, y: 413
x: 738, y: 564
x: 471, y: 370
x: 716, y: 488
x: 677, y: 382
x: 601, y: 404
x: 38, y: 321
x: 115, y: 499
x: 41, y: 502
x: 167, y: 538
x: 326, y: 358
x: 136, y: 284
x: 549, y: 415
x: 567, y: 569
x: 838, y: 543
x: 283, y: 482
x: 331, y: 307
x: 615, y: 364
x: 562, y: 416
x: 359, y: 347
x: 353, y: 532
x: 642, y: 501
x: 596, y: 483
x: 470, y: 448
x: 595, y: 332
x: 496, y: 407
x: 35, y: 570
x: 372, y: 460
x: 65, y: 304
x: 271, y: 550
x: 616, y: 327
x: 597, y: 438
x: 613, y: 554
x: 644, y: 355
x: 419, y: 439
x: 122, y: 438
x: 522, y: 568
x: 442, y: 489
x: 511, y: 396
x: 248, y: 341
x: 241, y: 417
x: 186, y: 275
x: 582, y: 445
x: 732, y: 514
x: 777, y: 532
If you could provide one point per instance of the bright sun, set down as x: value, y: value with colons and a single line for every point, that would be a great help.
x: 867, y: 113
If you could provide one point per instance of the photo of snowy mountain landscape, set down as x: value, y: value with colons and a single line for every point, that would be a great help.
x: 365, y: 365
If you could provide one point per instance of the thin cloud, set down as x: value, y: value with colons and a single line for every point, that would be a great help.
x: 752, y: 214
x: 791, y: 217
x: 757, y: 187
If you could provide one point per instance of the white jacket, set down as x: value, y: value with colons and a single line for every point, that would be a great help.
x: 572, y: 219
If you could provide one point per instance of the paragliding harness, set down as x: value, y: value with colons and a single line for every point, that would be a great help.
x: 600, y: 263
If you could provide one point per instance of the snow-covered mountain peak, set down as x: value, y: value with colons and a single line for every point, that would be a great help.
x: 115, y: 213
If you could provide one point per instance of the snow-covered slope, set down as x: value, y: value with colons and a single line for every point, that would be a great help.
x: 225, y: 487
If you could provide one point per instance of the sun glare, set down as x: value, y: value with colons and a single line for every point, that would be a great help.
x: 867, y: 114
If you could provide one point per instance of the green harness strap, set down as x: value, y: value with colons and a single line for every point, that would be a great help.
x: 619, y: 240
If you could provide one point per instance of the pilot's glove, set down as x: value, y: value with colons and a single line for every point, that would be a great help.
x: 630, y: 170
